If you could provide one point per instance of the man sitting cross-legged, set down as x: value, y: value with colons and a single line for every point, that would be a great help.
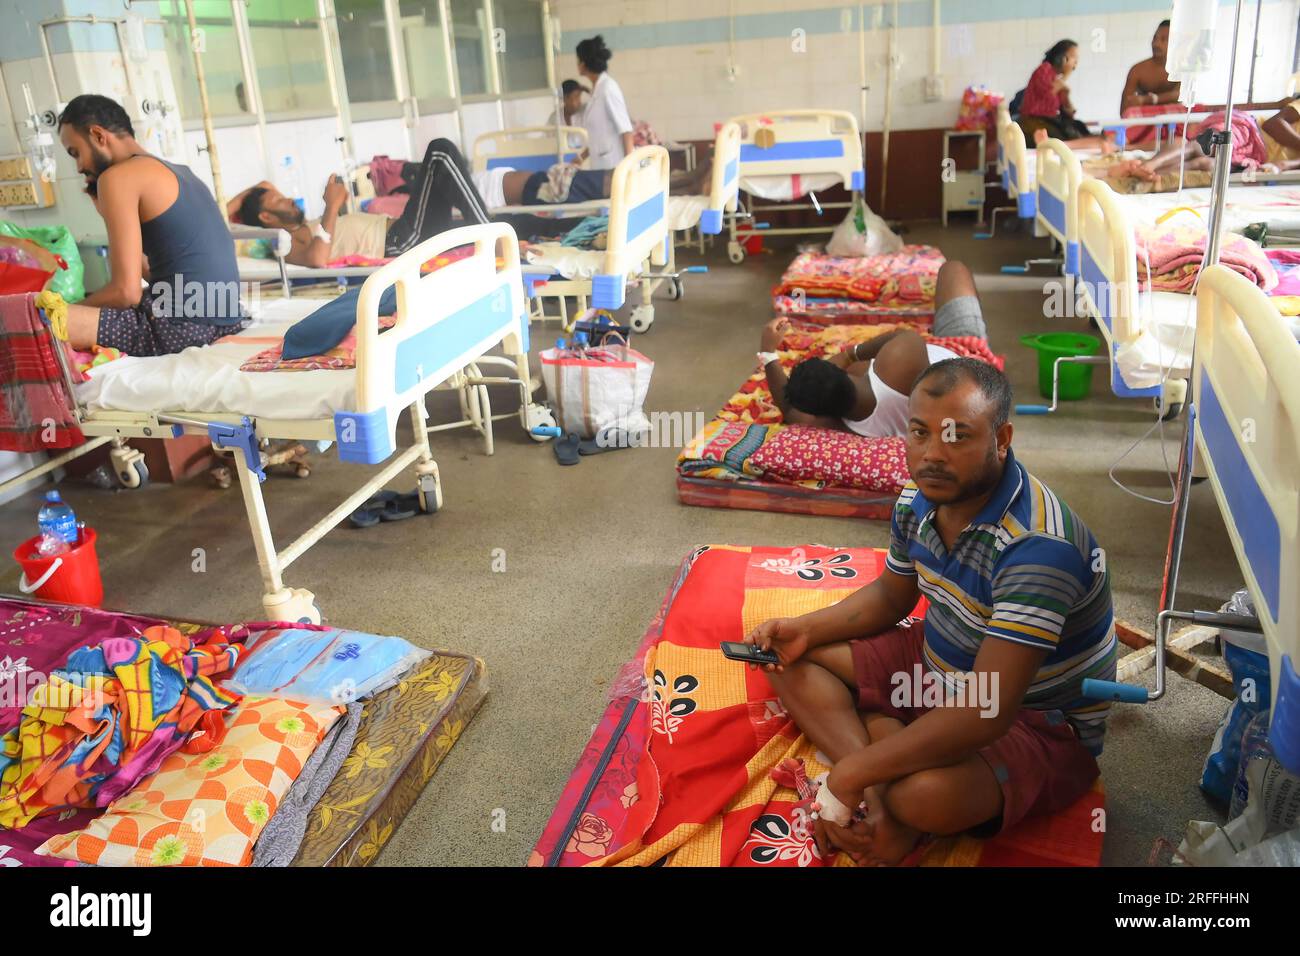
x: 1019, y: 614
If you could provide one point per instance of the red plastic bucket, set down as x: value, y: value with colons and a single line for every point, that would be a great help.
x: 69, y: 578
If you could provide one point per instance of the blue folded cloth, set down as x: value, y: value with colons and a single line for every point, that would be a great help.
x: 584, y: 233
x: 330, y: 324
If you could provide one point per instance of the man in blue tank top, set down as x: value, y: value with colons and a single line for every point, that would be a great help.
x: 164, y: 227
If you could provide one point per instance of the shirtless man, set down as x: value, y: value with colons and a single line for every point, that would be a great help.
x: 1148, y: 84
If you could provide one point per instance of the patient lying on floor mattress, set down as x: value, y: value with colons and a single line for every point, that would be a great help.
x: 973, y: 719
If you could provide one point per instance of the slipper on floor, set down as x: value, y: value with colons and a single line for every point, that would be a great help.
x: 368, y: 515
x: 400, y: 507
x: 609, y: 440
x: 566, y: 449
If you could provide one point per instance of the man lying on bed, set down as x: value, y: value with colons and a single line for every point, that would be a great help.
x: 1273, y: 146
x: 157, y: 213
x: 865, y: 389
x: 974, y: 719
x: 437, y: 185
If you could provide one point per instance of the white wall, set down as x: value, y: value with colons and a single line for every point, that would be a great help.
x: 680, y: 83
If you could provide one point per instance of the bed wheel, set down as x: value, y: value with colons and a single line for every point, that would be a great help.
x: 538, y: 416
x: 133, y: 474
x: 430, y: 491
x: 676, y: 290
x: 1167, y: 412
x: 643, y: 316
x: 296, y: 605
x: 736, y: 252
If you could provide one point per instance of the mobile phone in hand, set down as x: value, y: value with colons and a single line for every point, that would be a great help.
x: 748, y: 653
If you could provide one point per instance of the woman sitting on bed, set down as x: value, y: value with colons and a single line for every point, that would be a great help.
x: 1045, y: 107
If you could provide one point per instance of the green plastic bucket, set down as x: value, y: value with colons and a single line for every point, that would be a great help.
x: 1075, y: 379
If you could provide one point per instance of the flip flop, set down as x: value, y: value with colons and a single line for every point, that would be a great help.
x: 566, y: 449
x: 399, y: 507
x: 606, y: 441
x: 368, y: 515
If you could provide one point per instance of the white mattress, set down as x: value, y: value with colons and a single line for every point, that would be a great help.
x: 1279, y: 206
x: 208, y: 379
x: 684, y: 211
x: 783, y: 189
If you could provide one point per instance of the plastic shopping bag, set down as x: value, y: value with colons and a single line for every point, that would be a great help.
x: 1247, y: 657
x: 597, y: 389
x: 68, y: 281
x: 862, y: 234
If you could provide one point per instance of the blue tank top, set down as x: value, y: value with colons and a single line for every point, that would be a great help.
x: 192, y: 268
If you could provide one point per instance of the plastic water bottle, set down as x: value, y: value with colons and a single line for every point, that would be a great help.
x: 58, y: 526
x: 291, y: 182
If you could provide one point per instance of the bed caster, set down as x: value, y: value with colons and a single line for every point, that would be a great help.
x: 539, y: 417
x: 675, y: 290
x: 735, y: 252
x: 291, y: 604
x: 1169, y: 403
x: 643, y: 316
x: 428, y: 487
x: 129, y: 467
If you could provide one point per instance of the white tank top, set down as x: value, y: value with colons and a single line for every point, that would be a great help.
x: 890, y: 415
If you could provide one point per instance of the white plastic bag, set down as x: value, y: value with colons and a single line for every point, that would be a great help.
x: 598, y: 389
x: 862, y: 234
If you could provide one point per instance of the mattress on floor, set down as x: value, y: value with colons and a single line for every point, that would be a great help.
x: 830, y: 311
x: 209, y: 379
x: 717, y: 468
x: 405, y: 733
x: 622, y: 802
x: 900, y: 282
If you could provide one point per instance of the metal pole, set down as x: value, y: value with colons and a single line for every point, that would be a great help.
x: 1254, y: 54
x: 1183, y: 484
x: 208, y: 132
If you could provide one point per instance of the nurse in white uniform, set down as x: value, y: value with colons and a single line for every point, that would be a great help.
x: 609, y: 128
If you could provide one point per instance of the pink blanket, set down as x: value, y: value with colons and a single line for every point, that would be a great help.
x: 1248, y: 147
x: 1174, y: 252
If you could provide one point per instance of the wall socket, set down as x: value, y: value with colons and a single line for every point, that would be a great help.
x: 26, y: 194
x: 933, y: 87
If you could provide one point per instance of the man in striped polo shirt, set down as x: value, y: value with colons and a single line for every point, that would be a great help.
x: 975, y: 718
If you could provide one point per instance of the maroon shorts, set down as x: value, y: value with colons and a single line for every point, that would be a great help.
x: 1039, y: 763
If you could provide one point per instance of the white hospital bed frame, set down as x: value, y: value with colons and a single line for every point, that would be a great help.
x: 446, y: 321
x: 1109, y: 291
x: 638, y: 231
x: 532, y: 148
x: 806, y: 142
x: 1246, y: 416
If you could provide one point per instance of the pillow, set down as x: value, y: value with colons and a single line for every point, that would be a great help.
x: 808, y: 453
x: 327, y: 666
x: 206, y: 809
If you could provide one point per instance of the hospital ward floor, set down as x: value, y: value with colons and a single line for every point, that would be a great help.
x: 590, y: 550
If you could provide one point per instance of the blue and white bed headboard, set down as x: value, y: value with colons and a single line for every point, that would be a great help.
x: 1057, y: 185
x: 1018, y: 180
x: 532, y: 148
x: 802, y: 143
x: 444, y: 320
x: 638, y: 223
x: 1247, y: 394
x: 724, y: 189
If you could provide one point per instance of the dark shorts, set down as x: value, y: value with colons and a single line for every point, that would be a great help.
x: 1039, y: 763
x: 532, y: 185
x: 136, y: 331
x: 587, y: 184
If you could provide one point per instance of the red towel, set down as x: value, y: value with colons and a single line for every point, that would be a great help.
x: 35, y: 408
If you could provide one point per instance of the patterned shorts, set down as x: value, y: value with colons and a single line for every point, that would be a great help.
x: 136, y: 331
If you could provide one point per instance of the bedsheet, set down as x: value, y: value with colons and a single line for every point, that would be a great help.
x: 209, y: 379
x: 1279, y: 206
x: 903, y: 280
x: 679, y: 770
x: 788, y: 188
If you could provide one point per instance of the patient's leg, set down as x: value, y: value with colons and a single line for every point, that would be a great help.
x: 818, y: 691
x: 441, y: 183
x: 83, y: 326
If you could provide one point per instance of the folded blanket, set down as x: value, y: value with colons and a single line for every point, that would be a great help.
x: 33, y: 395
x: 903, y: 278
x: 1169, y: 255
x: 1248, y: 147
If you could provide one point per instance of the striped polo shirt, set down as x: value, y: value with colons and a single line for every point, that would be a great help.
x: 1025, y: 570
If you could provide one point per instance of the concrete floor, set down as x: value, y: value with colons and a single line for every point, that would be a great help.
x: 590, y: 550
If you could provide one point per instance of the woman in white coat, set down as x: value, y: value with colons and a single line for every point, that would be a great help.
x: 609, y: 128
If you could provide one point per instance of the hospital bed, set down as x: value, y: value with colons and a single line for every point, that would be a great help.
x: 1246, y: 415
x: 446, y: 322
x: 1147, y: 336
x: 638, y: 231
x: 256, y: 271
x: 788, y: 154
x: 532, y: 148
